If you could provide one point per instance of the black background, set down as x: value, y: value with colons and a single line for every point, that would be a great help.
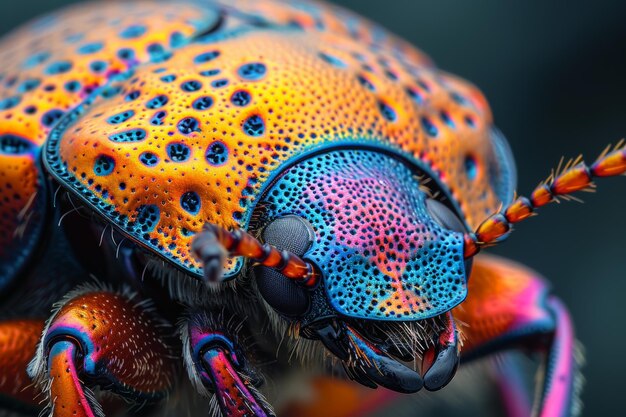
x: 555, y: 75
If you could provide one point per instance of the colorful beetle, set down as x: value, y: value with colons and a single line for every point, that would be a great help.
x: 280, y: 179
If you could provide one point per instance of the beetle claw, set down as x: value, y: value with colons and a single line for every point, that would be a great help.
x: 334, y: 341
x: 378, y: 367
x: 441, y: 361
x: 366, y: 363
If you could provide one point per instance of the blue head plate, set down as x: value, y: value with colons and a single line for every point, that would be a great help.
x: 383, y: 246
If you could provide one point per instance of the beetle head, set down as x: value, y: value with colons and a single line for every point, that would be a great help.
x: 385, y: 249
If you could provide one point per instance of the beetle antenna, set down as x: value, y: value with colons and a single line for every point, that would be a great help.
x: 241, y: 243
x: 574, y: 176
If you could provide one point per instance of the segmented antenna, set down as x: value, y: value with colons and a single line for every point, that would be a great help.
x: 574, y: 176
x: 241, y: 243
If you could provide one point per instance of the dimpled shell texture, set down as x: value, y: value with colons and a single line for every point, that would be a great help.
x: 48, y: 67
x: 383, y: 256
x: 194, y: 135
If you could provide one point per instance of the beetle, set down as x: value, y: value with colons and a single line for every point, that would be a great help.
x: 245, y: 179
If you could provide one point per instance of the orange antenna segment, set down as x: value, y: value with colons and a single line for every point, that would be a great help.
x: 241, y: 243
x: 575, y: 176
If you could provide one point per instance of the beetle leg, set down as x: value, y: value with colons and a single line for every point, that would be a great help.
x: 18, y: 340
x: 216, y: 363
x: 511, y: 381
x: 100, y: 338
x: 510, y: 306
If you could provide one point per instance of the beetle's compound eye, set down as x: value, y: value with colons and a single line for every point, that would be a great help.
x: 445, y: 217
x: 448, y: 219
x: 294, y: 234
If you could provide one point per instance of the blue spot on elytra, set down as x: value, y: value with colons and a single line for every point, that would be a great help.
x: 168, y: 78
x: 72, y: 86
x: 190, y: 202
x: 98, y: 66
x: 30, y: 110
x: 415, y: 96
x: 387, y: 112
x: 157, y: 119
x: 391, y: 75
x: 241, y: 98
x: 188, y: 125
x: 365, y: 82
x: 191, y: 86
x: 36, y: 59
x: 158, y: 53
x: 59, y: 67
x: 14, y: 145
x: 75, y: 37
x: 29, y: 85
x: 336, y: 62
x: 120, y: 117
x: 471, y: 167
x: 104, y: 165
x: 51, y: 117
x: 254, y: 126
x: 423, y: 84
x: 126, y: 54
x: 206, y: 57
x: 147, y: 218
x: 459, y: 99
x: 132, y: 95
x: 445, y: 117
x: 177, y: 39
x: 149, y: 159
x: 90, y: 48
x: 10, y: 82
x: 111, y: 91
x: 469, y: 121
x: 10, y: 102
x: 219, y: 83
x: 429, y: 127
x: 155, y: 49
x: 132, y: 32
x: 161, y: 57
x: 133, y: 135
x: 178, y: 152
x: 202, y: 103
x: 217, y: 154
x: 210, y: 73
x: 252, y: 71
x: 157, y: 102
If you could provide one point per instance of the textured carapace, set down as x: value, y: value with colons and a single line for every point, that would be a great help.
x: 383, y: 255
x: 51, y: 65
x: 194, y: 138
x: 356, y: 179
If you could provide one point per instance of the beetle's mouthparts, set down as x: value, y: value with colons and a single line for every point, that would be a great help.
x: 371, y: 360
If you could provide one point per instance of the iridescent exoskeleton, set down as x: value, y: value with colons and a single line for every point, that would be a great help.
x: 255, y: 187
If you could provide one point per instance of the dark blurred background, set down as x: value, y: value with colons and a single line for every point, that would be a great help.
x: 555, y: 75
